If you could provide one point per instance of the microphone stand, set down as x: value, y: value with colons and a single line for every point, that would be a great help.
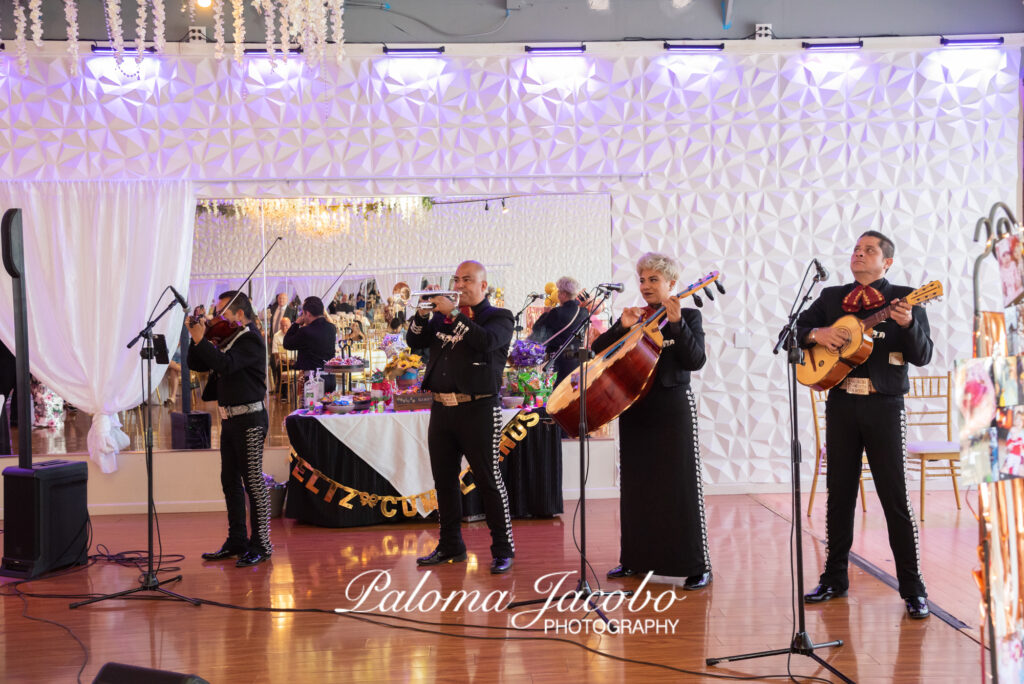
x: 801, y: 644
x: 331, y: 286
x: 519, y: 326
x: 148, y: 581
x: 583, y: 590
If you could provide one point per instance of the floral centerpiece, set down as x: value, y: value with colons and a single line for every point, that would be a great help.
x: 526, y: 354
x: 403, y: 368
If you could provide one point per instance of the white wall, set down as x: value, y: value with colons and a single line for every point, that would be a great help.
x: 750, y: 163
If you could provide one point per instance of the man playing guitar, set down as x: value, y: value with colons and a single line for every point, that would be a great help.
x: 865, y: 415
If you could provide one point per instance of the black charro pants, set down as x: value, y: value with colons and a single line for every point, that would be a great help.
x: 874, y: 425
x: 472, y: 429
x: 241, y: 475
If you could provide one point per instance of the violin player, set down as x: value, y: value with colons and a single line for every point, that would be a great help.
x: 238, y: 384
x: 661, y: 497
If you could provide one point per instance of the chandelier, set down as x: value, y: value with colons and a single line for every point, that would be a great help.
x: 315, y: 26
x: 314, y: 216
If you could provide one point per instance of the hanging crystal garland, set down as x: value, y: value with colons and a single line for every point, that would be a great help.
x: 319, y: 217
x: 313, y: 26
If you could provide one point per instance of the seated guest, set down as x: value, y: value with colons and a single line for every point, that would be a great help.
x: 277, y: 350
x: 554, y: 327
x: 278, y: 310
x: 312, y: 338
x: 360, y: 301
x: 345, y: 306
x: 354, y: 332
x: 173, y: 378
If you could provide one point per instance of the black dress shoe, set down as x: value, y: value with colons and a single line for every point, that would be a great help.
x: 222, y: 553
x: 499, y: 566
x: 697, y: 581
x: 618, y: 571
x: 252, y: 558
x: 823, y: 592
x: 917, y: 607
x: 437, y: 556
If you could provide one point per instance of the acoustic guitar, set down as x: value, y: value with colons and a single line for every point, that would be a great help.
x: 823, y: 368
x: 620, y: 374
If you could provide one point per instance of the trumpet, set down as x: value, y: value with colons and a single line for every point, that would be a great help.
x: 427, y: 294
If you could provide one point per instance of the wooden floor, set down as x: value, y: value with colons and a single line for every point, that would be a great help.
x: 747, y: 608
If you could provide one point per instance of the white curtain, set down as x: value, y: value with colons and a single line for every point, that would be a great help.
x: 387, y: 280
x: 312, y: 286
x: 97, y: 256
x: 204, y: 292
x: 386, y: 283
x: 351, y: 286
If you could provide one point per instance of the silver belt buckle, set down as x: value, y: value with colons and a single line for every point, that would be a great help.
x: 447, y: 398
x: 859, y: 386
x: 223, y: 413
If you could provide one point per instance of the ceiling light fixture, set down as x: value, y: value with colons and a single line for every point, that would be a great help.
x: 971, y: 42
x: 694, y: 47
x: 854, y: 45
x: 262, y: 52
x: 414, y: 51
x: 108, y: 50
x: 555, y: 49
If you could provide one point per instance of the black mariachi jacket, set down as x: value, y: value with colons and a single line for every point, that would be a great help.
x: 550, y: 322
x: 914, y: 343
x: 313, y: 342
x: 683, y: 351
x: 238, y: 368
x: 474, y: 350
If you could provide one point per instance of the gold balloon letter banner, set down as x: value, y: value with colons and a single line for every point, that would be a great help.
x: 345, y: 496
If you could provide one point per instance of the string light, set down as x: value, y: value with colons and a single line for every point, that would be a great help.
x: 504, y: 209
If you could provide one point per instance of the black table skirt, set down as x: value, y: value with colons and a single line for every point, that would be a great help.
x: 532, y: 472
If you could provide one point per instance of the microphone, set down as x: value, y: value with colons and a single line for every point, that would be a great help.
x: 181, y: 300
x: 822, y: 271
x: 612, y: 287
x: 535, y: 295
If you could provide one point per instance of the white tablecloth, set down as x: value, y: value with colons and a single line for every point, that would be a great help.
x: 393, y: 444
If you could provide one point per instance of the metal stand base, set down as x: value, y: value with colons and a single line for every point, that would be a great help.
x: 149, y: 583
x: 802, y: 645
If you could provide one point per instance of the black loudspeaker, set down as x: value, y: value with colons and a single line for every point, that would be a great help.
x: 190, y: 430
x: 46, y: 520
x: 118, y: 673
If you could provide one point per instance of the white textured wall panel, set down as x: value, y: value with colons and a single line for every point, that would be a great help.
x: 747, y: 163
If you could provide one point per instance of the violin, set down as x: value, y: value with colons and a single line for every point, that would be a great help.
x: 218, y: 328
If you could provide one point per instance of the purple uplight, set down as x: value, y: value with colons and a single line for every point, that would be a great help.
x: 555, y: 49
x: 414, y: 51
x: 971, y: 42
x: 834, y: 46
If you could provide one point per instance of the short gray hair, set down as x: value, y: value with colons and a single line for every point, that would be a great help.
x: 570, y: 286
x: 662, y: 263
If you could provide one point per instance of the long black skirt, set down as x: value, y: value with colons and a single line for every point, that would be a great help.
x: 661, y: 504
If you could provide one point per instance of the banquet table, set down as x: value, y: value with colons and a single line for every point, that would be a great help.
x: 370, y: 468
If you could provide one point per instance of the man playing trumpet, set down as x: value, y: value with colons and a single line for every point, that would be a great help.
x: 468, y: 341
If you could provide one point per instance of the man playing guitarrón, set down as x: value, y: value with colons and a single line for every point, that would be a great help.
x: 865, y: 415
